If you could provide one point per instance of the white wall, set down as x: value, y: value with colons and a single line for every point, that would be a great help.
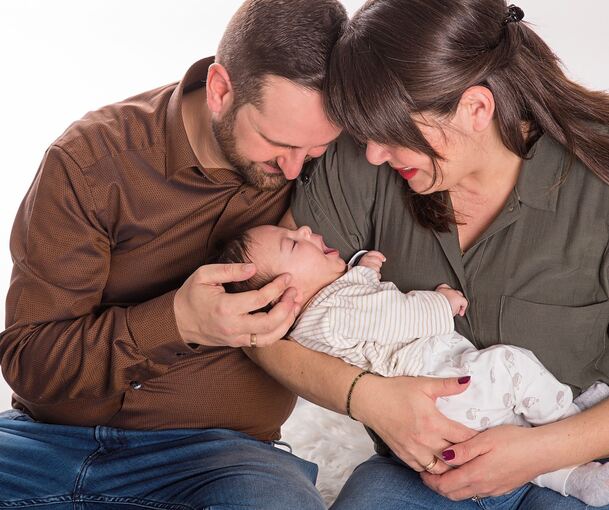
x: 62, y: 58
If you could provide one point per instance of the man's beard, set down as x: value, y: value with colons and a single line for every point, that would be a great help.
x: 223, y: 130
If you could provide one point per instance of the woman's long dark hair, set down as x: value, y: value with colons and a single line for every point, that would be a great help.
x: 401, y: 57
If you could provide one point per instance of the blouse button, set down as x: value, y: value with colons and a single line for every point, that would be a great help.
x: 136, y: 385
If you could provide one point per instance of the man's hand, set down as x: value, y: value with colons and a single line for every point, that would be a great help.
x: 374, y: 260
x: 458, y: 303
x: 403, y: 412
x: 207, y: 315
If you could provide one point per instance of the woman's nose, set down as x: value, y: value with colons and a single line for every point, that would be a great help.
x: 376, y: 153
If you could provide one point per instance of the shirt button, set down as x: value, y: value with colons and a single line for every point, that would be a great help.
x: 305, y: 179
x: 136, y: 385
x: 511, y: 208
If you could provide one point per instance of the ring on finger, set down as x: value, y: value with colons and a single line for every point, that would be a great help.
x: 431, y: 465
x: 253, y: 340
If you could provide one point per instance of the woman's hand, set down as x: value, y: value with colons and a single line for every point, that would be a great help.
x: 403, y: 412
x: 492, y: 463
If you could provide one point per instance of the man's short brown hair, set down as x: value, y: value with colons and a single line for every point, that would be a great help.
x: 291, y: 39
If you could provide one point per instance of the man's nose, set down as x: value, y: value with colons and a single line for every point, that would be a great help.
x: 292, y: 162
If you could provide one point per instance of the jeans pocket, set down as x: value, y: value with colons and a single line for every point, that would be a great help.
x: 15, y: 414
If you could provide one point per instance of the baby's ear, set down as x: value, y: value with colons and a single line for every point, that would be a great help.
x: 298, y: 298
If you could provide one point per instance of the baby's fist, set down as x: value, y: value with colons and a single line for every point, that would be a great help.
x: 456, y: 300
x: 373, y: 260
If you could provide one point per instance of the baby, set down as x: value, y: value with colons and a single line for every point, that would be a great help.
x: 348, y: 312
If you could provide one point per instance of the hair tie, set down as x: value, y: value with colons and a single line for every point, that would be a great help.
x: 514, y: 14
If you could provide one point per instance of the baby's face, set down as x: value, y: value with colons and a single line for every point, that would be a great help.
x: 303, y: 254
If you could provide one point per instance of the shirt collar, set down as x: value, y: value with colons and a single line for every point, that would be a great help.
x: 541, y: 173
x: 179, y: 153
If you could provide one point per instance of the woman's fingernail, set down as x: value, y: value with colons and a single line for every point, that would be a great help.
x: 464, y: 380
x: 248, y: 267
x: 448, y: 455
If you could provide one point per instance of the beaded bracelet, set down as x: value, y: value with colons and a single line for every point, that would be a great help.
x: 357, y: 378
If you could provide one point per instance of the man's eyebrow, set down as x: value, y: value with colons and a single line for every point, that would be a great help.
x: 287, y: 145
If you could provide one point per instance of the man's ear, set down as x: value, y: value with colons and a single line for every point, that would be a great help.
x: 219, y: 89
x: 477, y: 106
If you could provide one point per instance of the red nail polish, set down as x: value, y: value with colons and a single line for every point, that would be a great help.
x: 448, y: 455
x: 464, y: 380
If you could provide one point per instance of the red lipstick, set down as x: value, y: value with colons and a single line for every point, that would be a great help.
x: 407, y: 173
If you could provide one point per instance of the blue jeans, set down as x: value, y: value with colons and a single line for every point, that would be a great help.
x: 385, y: 483
x: 61, y: 467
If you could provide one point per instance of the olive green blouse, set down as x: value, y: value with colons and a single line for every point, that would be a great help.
x: 537, y: 278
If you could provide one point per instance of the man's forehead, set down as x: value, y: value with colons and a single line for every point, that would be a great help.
x: 292, y: 114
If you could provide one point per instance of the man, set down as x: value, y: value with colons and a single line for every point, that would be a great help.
x: 120, y: 340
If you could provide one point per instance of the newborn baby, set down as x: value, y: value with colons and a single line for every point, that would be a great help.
x: 349, y: 313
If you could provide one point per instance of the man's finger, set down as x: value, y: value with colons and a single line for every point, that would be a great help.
x: 277, y: 334
x: 244, y: 302
x: 267, y: 325
x: 215, y: 274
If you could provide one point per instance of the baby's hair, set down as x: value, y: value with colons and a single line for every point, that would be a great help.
x: 236, y: 251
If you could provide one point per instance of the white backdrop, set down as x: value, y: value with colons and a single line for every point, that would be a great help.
x: 60, y: 59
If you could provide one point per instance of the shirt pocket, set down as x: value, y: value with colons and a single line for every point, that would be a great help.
x: 569, y: 340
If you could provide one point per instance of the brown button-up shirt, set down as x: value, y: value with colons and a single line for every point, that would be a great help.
x: 120, y: 213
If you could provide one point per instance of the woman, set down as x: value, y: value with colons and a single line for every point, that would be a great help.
x: 496, y: 183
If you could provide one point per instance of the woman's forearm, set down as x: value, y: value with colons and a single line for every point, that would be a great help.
x: 578, y: 439
x: 318, y: 377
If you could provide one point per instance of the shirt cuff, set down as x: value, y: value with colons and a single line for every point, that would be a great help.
x: 441, y: 308
x: 155, y: 331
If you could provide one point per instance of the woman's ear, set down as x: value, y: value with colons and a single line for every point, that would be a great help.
x: 219, y: 89
x: 477, y: 105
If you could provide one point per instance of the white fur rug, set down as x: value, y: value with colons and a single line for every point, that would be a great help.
x: 335, y: 442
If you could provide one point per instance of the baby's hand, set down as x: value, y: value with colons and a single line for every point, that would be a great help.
x: 458, y: 303
x: 373, y: 260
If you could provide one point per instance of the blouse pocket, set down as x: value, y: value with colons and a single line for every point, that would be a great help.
x: 569, y: 340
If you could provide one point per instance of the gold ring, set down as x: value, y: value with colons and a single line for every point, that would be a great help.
x: 431, y: 465
x: 253, y: 340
